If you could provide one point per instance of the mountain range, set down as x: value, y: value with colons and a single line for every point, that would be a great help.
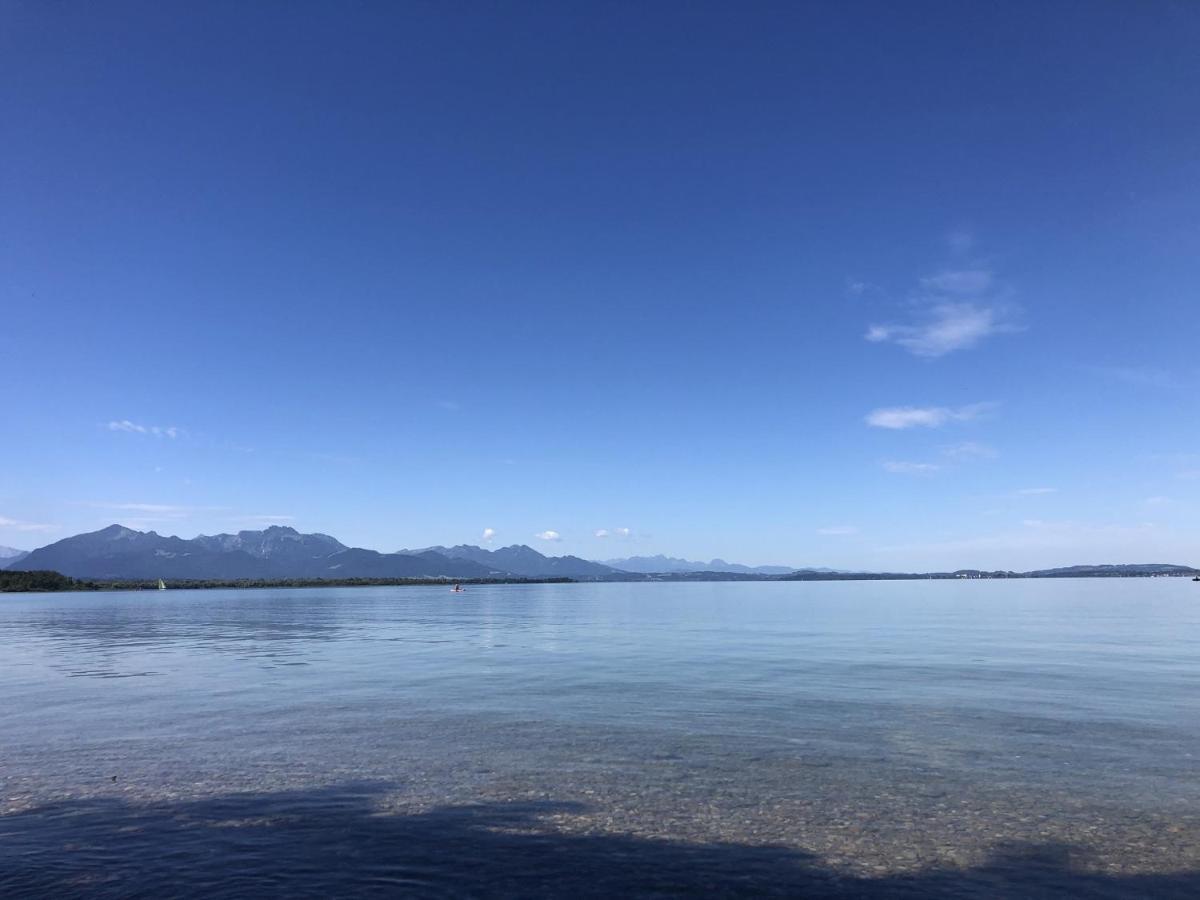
x: 280, y: 552
x: 10, y: 556
x: 525, y: 561
x: 117, y: 552
x: 656, y: 564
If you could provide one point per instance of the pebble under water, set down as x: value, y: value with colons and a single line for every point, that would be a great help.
x: 867, y: 739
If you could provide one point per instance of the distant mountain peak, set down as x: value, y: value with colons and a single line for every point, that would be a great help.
x: 525, y: 561
x: 10, y: 556
x: 660, y: 564
x: 117, y: 552
x: 116, y: 530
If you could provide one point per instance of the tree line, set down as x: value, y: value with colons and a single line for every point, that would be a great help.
x: 42, y: 581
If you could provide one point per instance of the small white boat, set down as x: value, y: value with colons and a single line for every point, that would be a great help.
x: 161, y: 585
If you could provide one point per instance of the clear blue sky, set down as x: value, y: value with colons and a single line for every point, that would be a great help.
x: 851, y: 284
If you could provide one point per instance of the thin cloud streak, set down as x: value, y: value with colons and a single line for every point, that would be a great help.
x: 18, y: 525
x: 164, y: 509
x: 901, y: 417
x: 900, y: 467
x: 1136, y: 376
x: 169, y: 431
x: 969, y: 450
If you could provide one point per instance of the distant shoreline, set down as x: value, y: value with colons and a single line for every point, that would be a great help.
x: 55, y: 582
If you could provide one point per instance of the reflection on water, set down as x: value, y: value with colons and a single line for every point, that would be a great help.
x: 866, y: 738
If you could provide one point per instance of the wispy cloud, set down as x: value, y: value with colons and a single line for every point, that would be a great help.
x: 18, y: 525
x: 953, y: 309
x: 167, y: 431
x: 152, y: 513
x: 960, y: 282
x: 856, y: 287
x: 943, y: 328
x: 899, y: 417
x: 1136, y: 376
x: 489, y: 535
x: 1186, y: 465
x: 900, y: 467
x: 960, y: 241
x: 548, y: 535
x: 969, y: 450
x: 451, y: 405
x: 336, y: 458
x: 837, y: 530
x: 1035, y: 491
x: 1037, y: 543
x: 621, y: 533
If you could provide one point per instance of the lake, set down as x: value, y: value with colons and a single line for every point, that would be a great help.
x: 866, y: 739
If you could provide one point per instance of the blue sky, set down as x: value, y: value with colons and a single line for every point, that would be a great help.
x: 863, y: 284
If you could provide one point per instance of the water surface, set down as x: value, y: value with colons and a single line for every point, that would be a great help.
x: 1033, y: 738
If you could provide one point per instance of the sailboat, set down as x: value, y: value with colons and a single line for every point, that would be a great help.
x: 161, y: 585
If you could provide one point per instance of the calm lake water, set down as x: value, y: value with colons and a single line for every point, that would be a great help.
x: 987, y: 738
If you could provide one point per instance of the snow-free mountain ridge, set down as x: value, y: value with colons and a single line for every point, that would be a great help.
x: 10, y: 556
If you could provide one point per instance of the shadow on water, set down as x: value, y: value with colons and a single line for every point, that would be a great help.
x: 338, y: 842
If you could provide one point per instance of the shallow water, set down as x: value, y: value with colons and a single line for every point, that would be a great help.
x: 985, y: 738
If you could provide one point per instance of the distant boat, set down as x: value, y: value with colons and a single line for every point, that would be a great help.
x: 161, y: 585
x: 1197, y: 578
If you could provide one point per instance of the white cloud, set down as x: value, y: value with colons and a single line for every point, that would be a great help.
x: 969, y: 450
x: 548, y: 536
x: 857, y: 288
x: 1158, y: 501
x: 946, y: 327
x: 134, y: 428
x: 18, y: 525
x: 910, y: 468
x: 1035, y: 491
x: 952, y: 309
x: 898, y: 417
x: 838, y: 529
x: 489, y: 534
x: 613, y: 532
